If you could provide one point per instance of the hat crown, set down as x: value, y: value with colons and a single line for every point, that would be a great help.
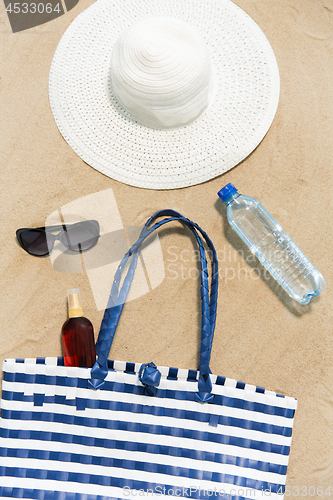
x: 162, y: 73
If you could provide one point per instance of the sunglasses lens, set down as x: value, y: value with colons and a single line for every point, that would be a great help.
x: 81, y: 236
x: 35, y: 242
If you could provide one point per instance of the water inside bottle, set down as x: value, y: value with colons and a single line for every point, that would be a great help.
x: 275, y: 249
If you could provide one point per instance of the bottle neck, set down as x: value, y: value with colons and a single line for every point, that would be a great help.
x: 231, y: 198
x: 75, y: 312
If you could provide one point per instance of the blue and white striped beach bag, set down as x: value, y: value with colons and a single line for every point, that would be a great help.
x: 121, y: 430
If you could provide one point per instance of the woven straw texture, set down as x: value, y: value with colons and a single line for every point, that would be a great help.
x: 60, y: 440
x: 104, y: 134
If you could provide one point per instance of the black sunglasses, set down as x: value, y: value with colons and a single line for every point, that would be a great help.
x: 77, y: 237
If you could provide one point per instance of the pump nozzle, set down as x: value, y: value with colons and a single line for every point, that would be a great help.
x: 74, y: 303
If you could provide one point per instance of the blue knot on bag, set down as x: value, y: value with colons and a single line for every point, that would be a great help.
x: 150, y: 377
x: 205, y: 386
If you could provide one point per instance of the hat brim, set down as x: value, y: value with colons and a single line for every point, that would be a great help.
x: 104, y: 135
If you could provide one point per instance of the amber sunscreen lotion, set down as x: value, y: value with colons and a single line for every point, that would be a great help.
x: 77, y: 334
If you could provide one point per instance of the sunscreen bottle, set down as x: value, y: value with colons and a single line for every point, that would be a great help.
x: 77, y: 334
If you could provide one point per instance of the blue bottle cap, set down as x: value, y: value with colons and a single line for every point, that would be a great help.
x: 227, y: 192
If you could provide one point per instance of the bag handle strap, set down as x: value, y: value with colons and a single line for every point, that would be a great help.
x: 117, y: 277
x: 117, y: 300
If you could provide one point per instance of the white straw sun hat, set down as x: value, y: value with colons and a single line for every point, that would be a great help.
x: 163, y: 94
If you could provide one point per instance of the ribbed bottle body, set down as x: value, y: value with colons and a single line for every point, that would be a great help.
x: 274, y: 248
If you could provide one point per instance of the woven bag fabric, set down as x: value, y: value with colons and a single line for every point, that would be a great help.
x: 147, y: 430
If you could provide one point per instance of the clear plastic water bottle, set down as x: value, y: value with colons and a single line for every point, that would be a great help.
x: 273, y: 247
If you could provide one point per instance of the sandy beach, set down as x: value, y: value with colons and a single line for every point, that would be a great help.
x: 262, y: 336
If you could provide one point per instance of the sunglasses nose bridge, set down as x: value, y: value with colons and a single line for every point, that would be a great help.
x: 57, y: 237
